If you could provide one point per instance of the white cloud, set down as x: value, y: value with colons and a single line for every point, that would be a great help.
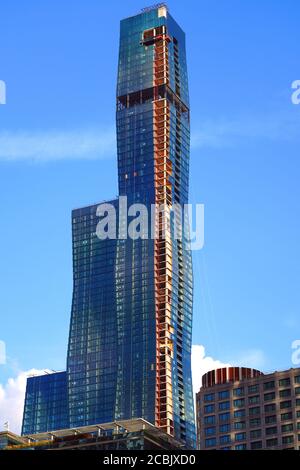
x: 12, y: 396
x: 253, y: 358
x: 53, y: 145
x: 221, y: 133
x: 12, y: 393
x: 96, y: 143
x: 202, y: 364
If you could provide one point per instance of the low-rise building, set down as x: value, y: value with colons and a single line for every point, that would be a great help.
x: 240, y: 408
x: 135, y: 434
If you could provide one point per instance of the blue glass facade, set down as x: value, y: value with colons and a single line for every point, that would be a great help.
x: 153, y: 135
x: 111, y: 354
x: 92, y: 351
x: 46, y: 405
x: 129, y: 353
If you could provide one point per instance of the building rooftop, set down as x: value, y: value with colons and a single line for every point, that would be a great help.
x: 114, y: 428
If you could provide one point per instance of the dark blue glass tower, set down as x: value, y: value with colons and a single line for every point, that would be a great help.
x: 46, y: 403
x: 129, y: 353
x: 153, y: 168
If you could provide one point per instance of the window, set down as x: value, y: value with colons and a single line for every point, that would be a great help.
x: 256, y: 445
x: 210, y: 442
x: 224, y: 439
x: 253, y: 388
x: 224, y: 428
x: 254, y: 399
x: 269, y: 396
x: 287, y: 427
x: 240, y: 436
x: 270, y: 419
x: 239, y: 413
x: 272, y: 442
x: 297, y: 391
x: 224, y: 417
x: 255, y: 434
x: 297, y: 379
x: 286, y: 416
x: 239, y: 402
x: 210, y: 431
x: 297, y: 401
x: 285, y: 393
x: 298, y: 414
x: 269, y: 385
x: 224, y: 405
x: 298, y: 426
x: 239, y: 425
x: 209, y: 419
x: 270, y: 408
x: 287, y: 439
x: 285, y: 404
x: 272, y: 430
x: 254, y: 411
x: 241, y: 447
x: 237, y: 392
x: 224, y: 394
x: 209, y: 397
x: 284, y: 382
x: 255, y: 422
x: 209, y: 408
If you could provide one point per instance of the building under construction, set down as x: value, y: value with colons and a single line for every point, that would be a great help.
x: 129, y: 351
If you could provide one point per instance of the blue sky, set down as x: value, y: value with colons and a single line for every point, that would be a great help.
x: 57, y: 152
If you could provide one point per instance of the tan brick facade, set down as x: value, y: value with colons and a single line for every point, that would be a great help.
x: 240, y: 408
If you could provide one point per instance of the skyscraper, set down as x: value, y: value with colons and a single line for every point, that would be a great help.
x: 129, y: 353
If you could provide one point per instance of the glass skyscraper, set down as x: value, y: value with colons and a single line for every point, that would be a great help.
x: 129, y: 352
